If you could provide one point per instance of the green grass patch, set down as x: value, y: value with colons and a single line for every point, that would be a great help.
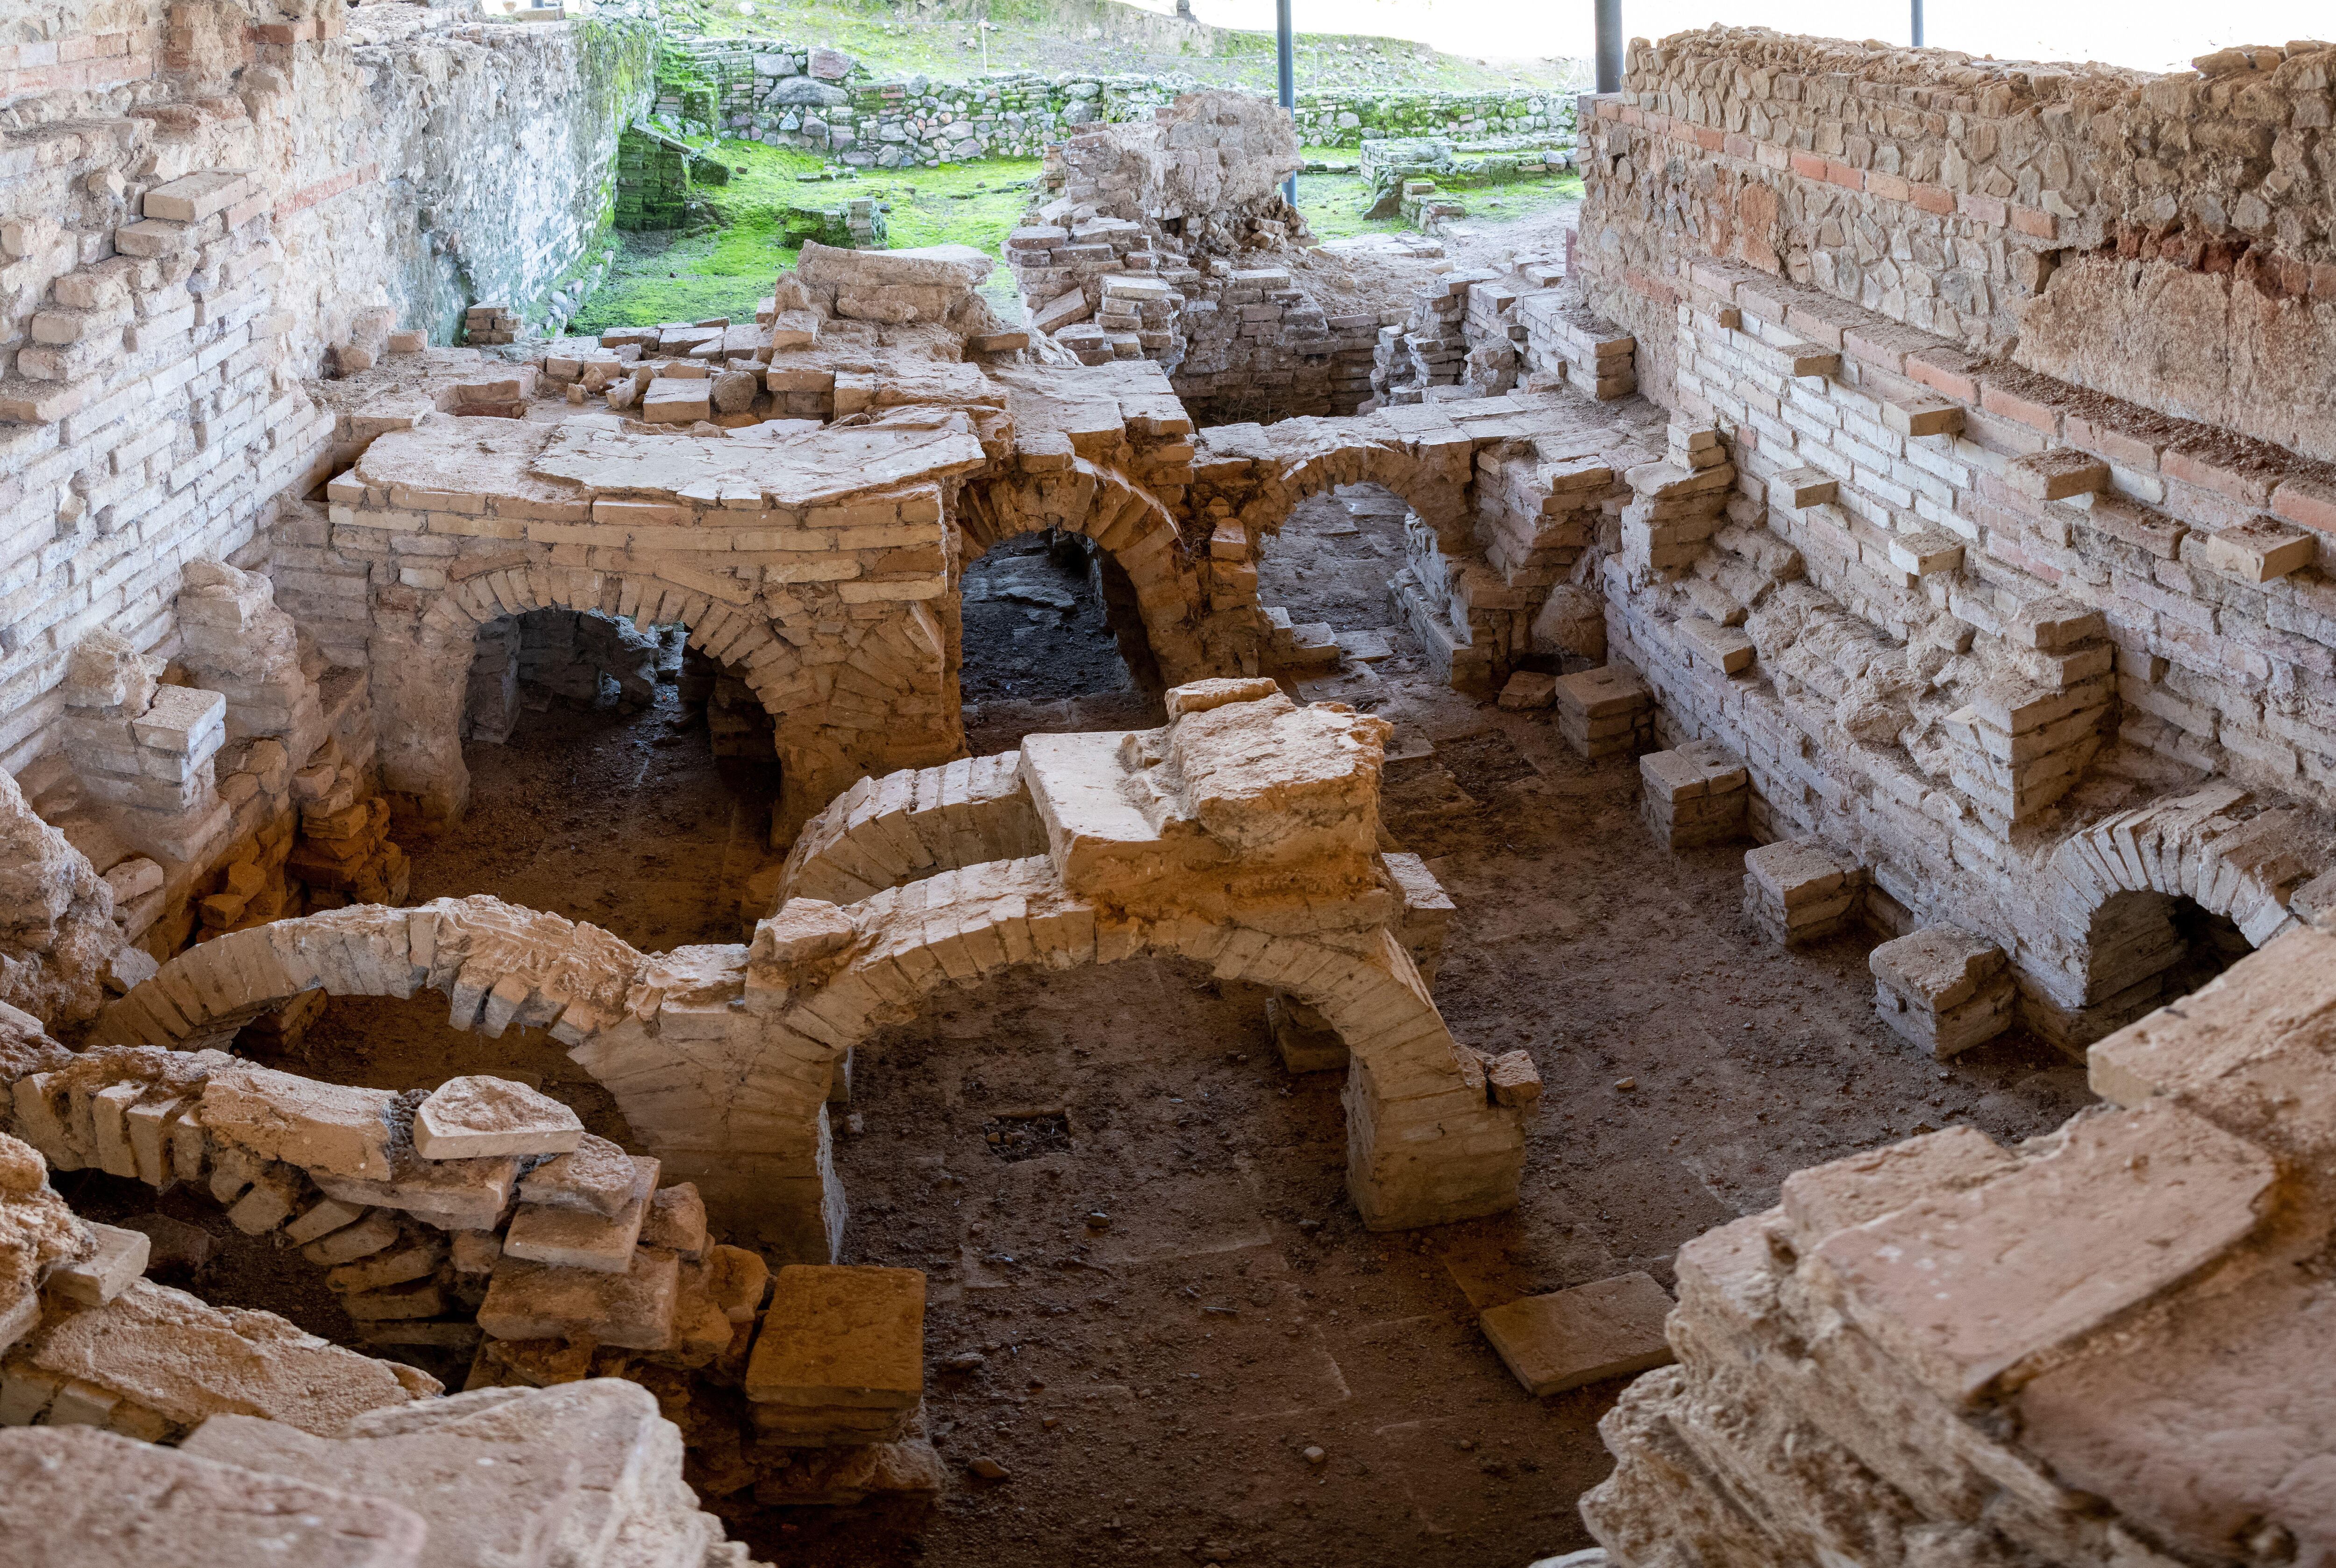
x: 722, y: 269
x: 1334, y: 203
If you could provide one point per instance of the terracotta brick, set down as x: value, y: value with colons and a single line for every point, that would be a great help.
x: 2034, y: 222
x: 2026, y: 411
x: 1889, y: 186
x: 2194, y: 468
x: 2118, y: 446
x: 1736, y: 146
x: 2310, y: 503
x: 1808, y: 165
x: 1708, y: 139
x: 1873, y: 351
x: 1843, y: 175
x: 1944, y: 370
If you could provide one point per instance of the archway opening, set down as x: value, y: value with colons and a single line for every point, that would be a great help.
x: 1335, y: 568
x: 2148, y: 948
x: 617, y: 775
x: 1053, y: 640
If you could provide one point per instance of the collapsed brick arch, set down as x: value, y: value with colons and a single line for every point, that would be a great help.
x: 824, y: 718
x: 659, y: 1030
x: 1255, y: 476
x: 1236, y: 835
x: 1428, y: 1143
x: 884, y: 831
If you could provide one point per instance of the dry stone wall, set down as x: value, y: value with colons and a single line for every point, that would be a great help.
x: 819, y: 98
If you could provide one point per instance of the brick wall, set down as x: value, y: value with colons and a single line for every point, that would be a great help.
x: 201, y: 202
x: 2089, y: 221
x: 2004, y: 574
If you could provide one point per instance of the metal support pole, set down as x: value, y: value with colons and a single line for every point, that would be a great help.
x: 1610, y: 45
x: 1918, y: 22
x: 1286, y: 66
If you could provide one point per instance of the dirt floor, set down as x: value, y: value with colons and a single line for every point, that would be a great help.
x: 1150, y: 1311
x: 624, y: 819
x: 1150, y: 1297
x: 1042, y: 646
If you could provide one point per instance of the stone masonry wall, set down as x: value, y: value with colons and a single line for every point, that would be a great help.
x: 2095, y: 224
x: 776, y: 93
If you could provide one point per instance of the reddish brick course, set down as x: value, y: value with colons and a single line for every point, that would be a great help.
x: 2310, y: 503
x: 2193, y: 469
x: 2011, y: 405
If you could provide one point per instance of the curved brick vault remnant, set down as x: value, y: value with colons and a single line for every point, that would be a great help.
x: 1120, y: 516
x: 660, y: 1031
x: 1506, y: 493
x: 811, y: 558
x: 1241, y: 836
x: 2111, y: 889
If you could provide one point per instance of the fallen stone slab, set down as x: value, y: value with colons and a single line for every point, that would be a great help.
x: 589, y: 1472
x: 472, y: 1118
x: 75, y: 1497
x: 575, y: 1238
x: 597, y: 1175
x: 96, y: 1280
x: 187, y: 1360
x: 1607, y: 1328
x: 841, y: 1337
x: 633, y: 1311
x: 326, y: 1129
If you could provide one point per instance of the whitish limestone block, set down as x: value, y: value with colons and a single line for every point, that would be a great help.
x: 471, y: 1117
x: 96, y: 1280
x: 75, y: 1497
x: 575, y: 1238
x: 504, y: 1477
x: 596, y: 1176
x: 323, y: 1127
x: 633, y: 1309
x: 1607, y: 1328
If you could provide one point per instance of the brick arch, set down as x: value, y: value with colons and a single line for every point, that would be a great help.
x: 825, y: 716
x: 1441, y: 502
x: 659, y: 1030
x: 2109, y: 887
x: 1129, y: 522
x: 1425, y: 1142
